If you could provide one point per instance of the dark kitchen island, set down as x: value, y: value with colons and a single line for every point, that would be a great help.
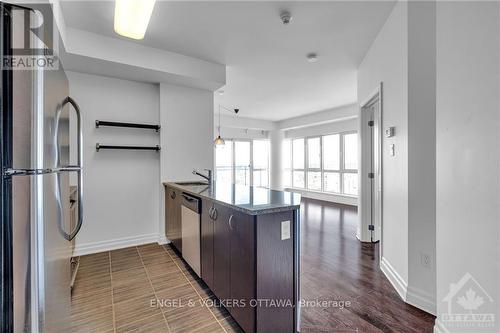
x: 249, y: 249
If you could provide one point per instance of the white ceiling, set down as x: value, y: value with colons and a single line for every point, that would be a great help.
x: 268, y: 76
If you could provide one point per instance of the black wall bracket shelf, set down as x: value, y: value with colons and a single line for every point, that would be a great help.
x: 99, y: 123
x: 99, y: 147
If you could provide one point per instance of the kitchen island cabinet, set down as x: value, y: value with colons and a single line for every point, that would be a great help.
x: 249, y: 253
x: 173, y: 217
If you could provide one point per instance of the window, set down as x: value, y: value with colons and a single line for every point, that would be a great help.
x: 314, y: 164
x: 351, y: 151
x: 331, y: 152
x: 224, y: 162
x: 243, y: 162
x: 298, y: 149
x: 331, y: 182
x: 313, y: 153
x: 326, y: 163
x: 287, y: 163
x: 350, y: 169
x: 261, y: 163
x: 298, y: 154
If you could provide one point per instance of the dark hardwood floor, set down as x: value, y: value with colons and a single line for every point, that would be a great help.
x: 335, y: 266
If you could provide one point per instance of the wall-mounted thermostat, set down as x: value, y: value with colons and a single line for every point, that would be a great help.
x: 390, y: 132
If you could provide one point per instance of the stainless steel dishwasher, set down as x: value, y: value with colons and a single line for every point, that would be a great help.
x: 190, y: 223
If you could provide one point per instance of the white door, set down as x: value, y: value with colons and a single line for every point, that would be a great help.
x: 375, y: 173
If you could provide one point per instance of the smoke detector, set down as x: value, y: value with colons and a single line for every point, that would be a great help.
x: 286, y: 17
x: 312, y: 57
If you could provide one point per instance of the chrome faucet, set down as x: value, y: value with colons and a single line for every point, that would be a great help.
x: 207, y: 177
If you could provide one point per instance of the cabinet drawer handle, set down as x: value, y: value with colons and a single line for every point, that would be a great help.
x: 172, y: 195
x: 230, y: 222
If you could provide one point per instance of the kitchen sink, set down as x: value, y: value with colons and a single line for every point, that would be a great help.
x: 192, y: 183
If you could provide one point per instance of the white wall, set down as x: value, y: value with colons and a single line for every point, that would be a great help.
x: 187, y: 130
x: 325, y: 129
x: 120, y: 187
x: 237, y: 127
x: 276, y: 174
x: 186, y: 116
x: 468, y: 156
x: 240, y: 133
x: 422, y: 154
x: 231, y: 120
x: 387, y: 62
x: 340, y: 113
x: 118, y: 57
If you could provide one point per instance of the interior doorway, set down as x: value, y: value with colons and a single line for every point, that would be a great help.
x: 370, y: 228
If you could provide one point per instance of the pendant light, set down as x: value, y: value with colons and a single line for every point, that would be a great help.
x: 218, y: 140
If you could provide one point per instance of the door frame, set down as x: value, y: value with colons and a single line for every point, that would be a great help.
x: 365, y: 196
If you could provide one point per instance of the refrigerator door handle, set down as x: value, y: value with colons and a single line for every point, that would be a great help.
x: 26, y: 172
x: 70, y: 168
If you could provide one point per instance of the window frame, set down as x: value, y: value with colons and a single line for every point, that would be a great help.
x: 299, y: 169
x: 250, y: 166
x: 306, y: 165
x: 232, y: 141
x: 232, y: 160
x: 341, y: 171
x: 287, y: 182
x: 253, y: 169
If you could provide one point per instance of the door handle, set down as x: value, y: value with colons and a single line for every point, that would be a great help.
x: 230, y: 222
x: 78, y: 168
x: 214, y: 214
x: 172, y: 194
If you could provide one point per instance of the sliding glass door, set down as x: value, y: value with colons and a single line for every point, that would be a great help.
x: 242, y: 157
x: 243, y: 162
x: 224, y: 163
x: 260, y: 164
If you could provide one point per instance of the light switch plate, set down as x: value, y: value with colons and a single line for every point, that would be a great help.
x: 285, y: 230
x: 391, y: 150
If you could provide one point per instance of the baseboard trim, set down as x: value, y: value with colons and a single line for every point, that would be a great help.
x: 394, y: 278
x: 421, y: 300
x: 114, y: 244
x: 439, y: 327
x: 163, y: 240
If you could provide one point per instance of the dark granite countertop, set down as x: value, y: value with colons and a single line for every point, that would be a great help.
x: 247, y: 199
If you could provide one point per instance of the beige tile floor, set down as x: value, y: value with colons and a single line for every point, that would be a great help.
x: 117, y: 291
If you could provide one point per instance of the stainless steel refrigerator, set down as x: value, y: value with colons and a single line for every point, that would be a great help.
x: 35, y: 237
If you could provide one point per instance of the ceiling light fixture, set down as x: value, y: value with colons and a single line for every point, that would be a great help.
x: 132, y: 17
x: 312, y: 57
x: 218, y: 140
